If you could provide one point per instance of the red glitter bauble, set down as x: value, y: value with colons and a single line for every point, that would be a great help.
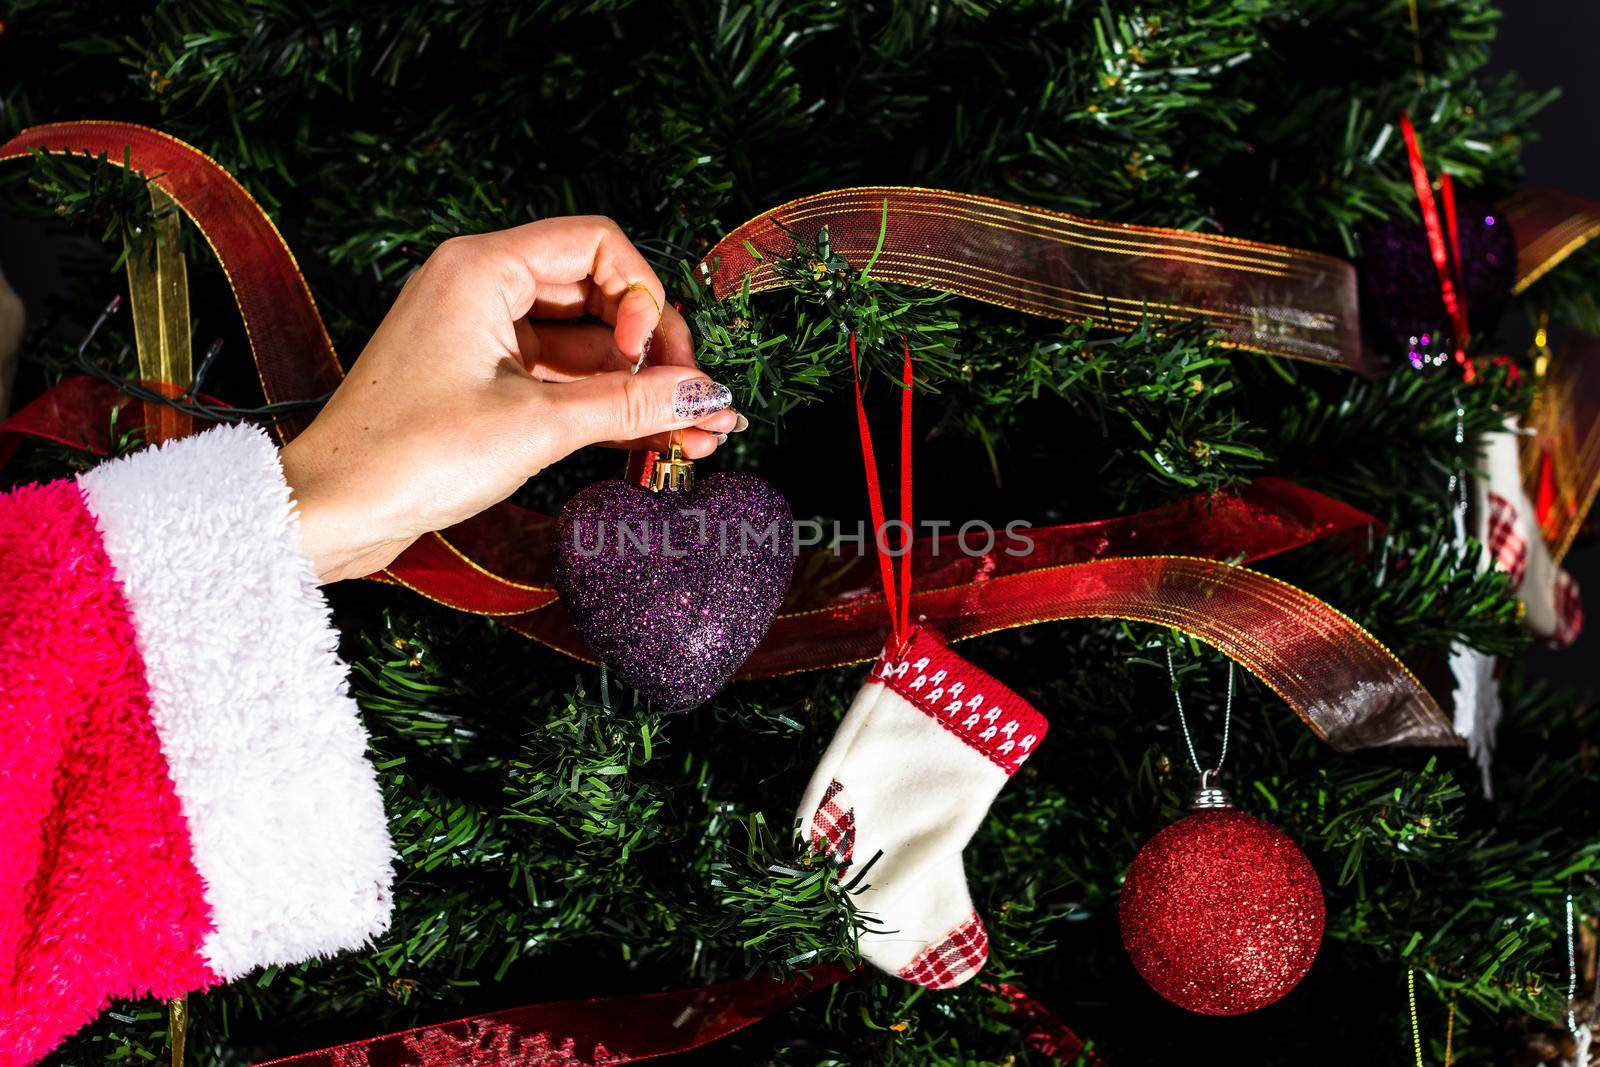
x: 1221, y: 913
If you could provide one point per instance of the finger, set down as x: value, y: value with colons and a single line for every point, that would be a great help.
x: 672, y: 345
x: 621, y: 406
x: 719, y: 426
x: 638, y: 313
x: 722, y: 422
x: 696, y: 444
x: 543, y: 267
x: 566, y: 351
x: 558, y: 302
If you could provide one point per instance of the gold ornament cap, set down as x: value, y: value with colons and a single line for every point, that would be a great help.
x: 672, y: 471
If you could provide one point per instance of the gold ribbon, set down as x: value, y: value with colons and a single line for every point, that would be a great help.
x: 177, y: 1027
x: 158, y: 292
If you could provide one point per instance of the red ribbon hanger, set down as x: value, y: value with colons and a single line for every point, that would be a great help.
x: 896, y: 595
x: 1442, y: 242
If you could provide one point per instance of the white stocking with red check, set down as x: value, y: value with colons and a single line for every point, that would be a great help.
x: 910, y: 773
x: 1505, y: 520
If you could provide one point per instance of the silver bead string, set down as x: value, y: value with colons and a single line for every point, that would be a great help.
x: 1206, y: 777
x: 1457, y: 489
x: 1572, y: 969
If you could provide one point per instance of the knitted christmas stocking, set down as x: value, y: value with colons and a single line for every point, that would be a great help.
x: 1507, y: 524
x: 909, y: 775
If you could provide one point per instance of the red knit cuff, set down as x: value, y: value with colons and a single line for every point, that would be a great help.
x: 970, y: 703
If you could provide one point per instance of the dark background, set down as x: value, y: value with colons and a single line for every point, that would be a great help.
x: 1551, y: 44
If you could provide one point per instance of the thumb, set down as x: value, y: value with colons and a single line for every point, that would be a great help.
x: 623, y: 406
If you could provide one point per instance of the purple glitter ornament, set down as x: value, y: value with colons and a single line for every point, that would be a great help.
x: 1400, y: 285
x: 673, y: 590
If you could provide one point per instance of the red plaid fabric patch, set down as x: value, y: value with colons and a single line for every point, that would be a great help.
x: 953, y: 960
x: 1506, y: 544
x: 833, y: 825
x: 1569, y: 610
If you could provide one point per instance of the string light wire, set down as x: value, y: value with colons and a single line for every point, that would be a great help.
x: 188, y: 401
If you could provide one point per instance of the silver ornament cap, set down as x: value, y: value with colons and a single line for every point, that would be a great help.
x: 1209, y: 797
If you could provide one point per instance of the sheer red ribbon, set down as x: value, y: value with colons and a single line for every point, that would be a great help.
x: 1046, y: 1034
x: 583, y: 1033
x: 1257, y: 297
x: 615, y: 1030
x: 1561, y: 458
x: 497, y: 563
x: 1548, y: 225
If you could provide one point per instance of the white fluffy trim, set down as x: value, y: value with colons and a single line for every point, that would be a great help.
x: 249, y: 697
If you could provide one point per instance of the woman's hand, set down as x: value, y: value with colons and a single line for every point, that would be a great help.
x: 473, y: 383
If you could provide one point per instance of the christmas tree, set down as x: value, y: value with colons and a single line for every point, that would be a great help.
x: 557, y: 836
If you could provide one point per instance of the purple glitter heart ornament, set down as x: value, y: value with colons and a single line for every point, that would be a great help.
x: 673, y: 590
x: 1400, y: 285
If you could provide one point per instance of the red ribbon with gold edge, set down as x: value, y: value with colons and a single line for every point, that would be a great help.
x: 1548, y: 226
x: 494, y: 564
x: 1264, y: 518
x: 1560, y: 459
x: 1114, y: 568
x: 1346, y: 687
x: 1283, y: 635
x: 294, y: 356
x: 1350, y: 690
x: 583, y: 1033
x: 1260, y: 297
x: 615, y: 1030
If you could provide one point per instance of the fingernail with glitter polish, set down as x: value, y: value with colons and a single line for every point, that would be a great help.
x: 698, y: 397
x: 722, y: 438
x: 740, y: 425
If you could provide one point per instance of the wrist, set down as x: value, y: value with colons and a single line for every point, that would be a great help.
x: 339, y: 532
x: 316, y: 513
